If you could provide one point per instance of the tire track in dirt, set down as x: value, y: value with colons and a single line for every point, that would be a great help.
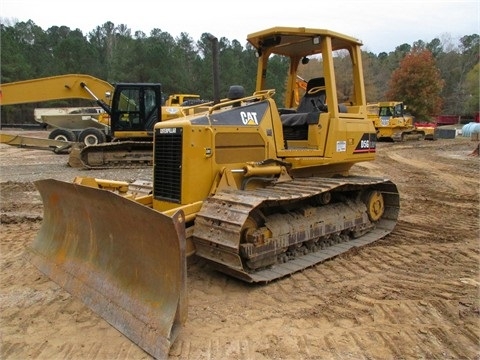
x: 347, y: 318
x: 44, y: 308
x: 444, y: 176
x: 363, y: 312
x: 413, y: 294
x: 20, y: 202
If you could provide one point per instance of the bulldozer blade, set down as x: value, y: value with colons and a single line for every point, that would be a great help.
x: 125, y: 261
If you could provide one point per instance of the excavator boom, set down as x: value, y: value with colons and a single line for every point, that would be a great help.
x: 60, y: 87
x: 57, y: 146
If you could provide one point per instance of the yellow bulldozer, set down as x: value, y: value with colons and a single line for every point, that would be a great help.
x: 259, y: 191
x: 394, y: 124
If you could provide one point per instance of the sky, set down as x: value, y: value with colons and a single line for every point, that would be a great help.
x: 380, y: 25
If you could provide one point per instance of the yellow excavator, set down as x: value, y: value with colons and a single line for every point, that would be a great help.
x: 259, y: 191
x: 119, y: 136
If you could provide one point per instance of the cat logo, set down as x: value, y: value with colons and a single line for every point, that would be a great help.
x: 249, y: 118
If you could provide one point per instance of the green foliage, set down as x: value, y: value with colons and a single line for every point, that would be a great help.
x: 454, y: 64
x: 472, y: 88
x: 183, y: 65
x: 14, y: 59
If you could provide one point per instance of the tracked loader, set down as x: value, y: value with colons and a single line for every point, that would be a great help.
x: 394, y: 125
x: 258, y: 190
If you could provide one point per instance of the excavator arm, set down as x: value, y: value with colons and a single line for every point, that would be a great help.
x: 71, y: 86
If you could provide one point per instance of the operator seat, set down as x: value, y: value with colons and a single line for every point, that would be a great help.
x: 295, y: 124
x: 315, y: 96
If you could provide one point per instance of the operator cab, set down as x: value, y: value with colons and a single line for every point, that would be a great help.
x: 136, y: 107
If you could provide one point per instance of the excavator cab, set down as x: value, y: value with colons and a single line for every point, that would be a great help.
x: 135, y: 110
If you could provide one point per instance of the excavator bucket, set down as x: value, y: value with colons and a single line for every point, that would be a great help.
x: 124, y: 260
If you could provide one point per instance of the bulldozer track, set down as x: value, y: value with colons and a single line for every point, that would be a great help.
x: 217, y: 231
x: 114, y: 155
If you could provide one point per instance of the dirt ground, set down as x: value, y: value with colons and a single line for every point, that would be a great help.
x: 412, y: 295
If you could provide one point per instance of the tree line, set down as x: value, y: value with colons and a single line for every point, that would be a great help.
x: 438, y: 77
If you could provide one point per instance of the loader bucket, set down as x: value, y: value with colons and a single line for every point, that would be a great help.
x: 124, y: 260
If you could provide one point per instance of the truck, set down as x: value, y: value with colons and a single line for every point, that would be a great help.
x: 104, y: 139
x: 258, y: 190
x: 394, y: 124
x: 75, y: 119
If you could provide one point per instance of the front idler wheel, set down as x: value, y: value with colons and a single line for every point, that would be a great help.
x: 375, y: 204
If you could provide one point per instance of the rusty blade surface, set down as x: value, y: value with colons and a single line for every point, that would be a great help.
x: 124, y: 260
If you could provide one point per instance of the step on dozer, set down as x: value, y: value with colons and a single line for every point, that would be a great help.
x: 98, y: 246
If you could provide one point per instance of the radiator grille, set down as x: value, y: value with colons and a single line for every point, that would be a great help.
x: 167, y: 169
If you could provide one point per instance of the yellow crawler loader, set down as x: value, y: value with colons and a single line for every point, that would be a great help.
x: 258, y: 190
x: 393, y: 124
